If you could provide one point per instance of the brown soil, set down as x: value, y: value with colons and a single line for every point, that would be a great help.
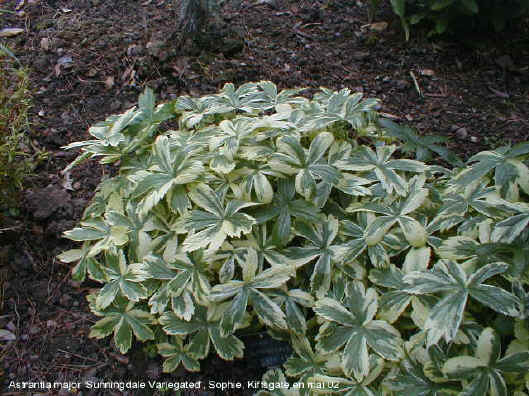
x: 91, y: 58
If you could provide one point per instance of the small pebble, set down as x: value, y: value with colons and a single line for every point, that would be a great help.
x: 462, y: 133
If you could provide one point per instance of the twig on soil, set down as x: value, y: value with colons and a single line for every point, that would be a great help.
x: 10, y: 228
x: 416, y: 83
x: 52, y: 292
x: 390, y: 116
x: 300, y: 33
x: 434, y: 95
x: 81, y: 357
x: 79, y: 367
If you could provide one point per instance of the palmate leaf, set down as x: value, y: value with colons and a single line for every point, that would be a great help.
x: 342, y: 106
x: 293, y: 159
x: 247, y: 291
x: 293, y: 300
x: 176, y: 353
x: 411, y: 381
x: 321, y: 237
x: 122, y: 319
x: 217, y: 221
x: 509, y: 171
x: 85, y: 264
x: 476, y: 198
x: 194, y: 110
x: 246, y: 98
x: 228, y: 138
x: 202, y: 331
x: 384, y: 167
x: 186, y: 275
x: 358, y: 241
x: 462, y: 248
x: 271, y: 98
x: 254, y: 176
x: 267, y: 250
x: 421, y: 146
x: 396, y: 300
x: 169, y: 170
x: 137, y: 228
x: 399, y: 212
x: 121, y: 277
x: 283, y: 207
x: 509, y: 229
x: 448, y: 276
x: 326, y: 385
x: 107, y: 236
x: 305, y: 362
x: 486, y: 369
x: 353, y: 325
x: 276, y: 384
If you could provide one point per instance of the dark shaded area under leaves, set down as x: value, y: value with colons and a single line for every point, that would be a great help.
x: 91, y: 58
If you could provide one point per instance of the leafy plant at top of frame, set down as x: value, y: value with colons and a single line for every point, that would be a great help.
x: 389, y: 275
x: 456, y: 16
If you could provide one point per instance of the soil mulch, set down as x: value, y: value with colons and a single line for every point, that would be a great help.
x: 91, y: 58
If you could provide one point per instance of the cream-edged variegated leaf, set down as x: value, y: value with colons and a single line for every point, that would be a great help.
x: 486, y: 368
x: 306, y: 164
x: 417, y: 259
x: 353, y: 327
x: 123, y: 319
x: 270, y: 278
x: 213, y: 225
x: 175, y: 353
x: 332, y: 310
x: 121, y: 278
x: 384, y: 167
x: 249, y: 265
x: 202, y: 331
x: 268, y: 311
x: 446, y: 316
x: 394, y: 301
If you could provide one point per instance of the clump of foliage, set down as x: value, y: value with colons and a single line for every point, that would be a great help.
x: 458, y: 16
x: 388, y: 275
x: 15, y: 101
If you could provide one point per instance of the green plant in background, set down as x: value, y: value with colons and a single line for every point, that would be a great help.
x: 262, y: 209
x: 457, y: 16
x: 16, y: 161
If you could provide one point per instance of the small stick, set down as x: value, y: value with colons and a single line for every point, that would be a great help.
x: 416, y: 83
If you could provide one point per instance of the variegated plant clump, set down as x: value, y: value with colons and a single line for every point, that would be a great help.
x: 264, y: 209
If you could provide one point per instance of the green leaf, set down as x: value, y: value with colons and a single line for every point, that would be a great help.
x: 440, y: 4
x: 353, y: 325
x: 124, y: 320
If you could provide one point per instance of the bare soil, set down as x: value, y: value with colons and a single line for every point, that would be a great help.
x: 91, y: 58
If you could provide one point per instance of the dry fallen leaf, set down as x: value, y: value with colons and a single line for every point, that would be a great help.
x: 92, y: 72
x: 378, y: 26
x: 45, y: 43
x: 427, y: 72
x: 9, y: 32
x: 109, y: 82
